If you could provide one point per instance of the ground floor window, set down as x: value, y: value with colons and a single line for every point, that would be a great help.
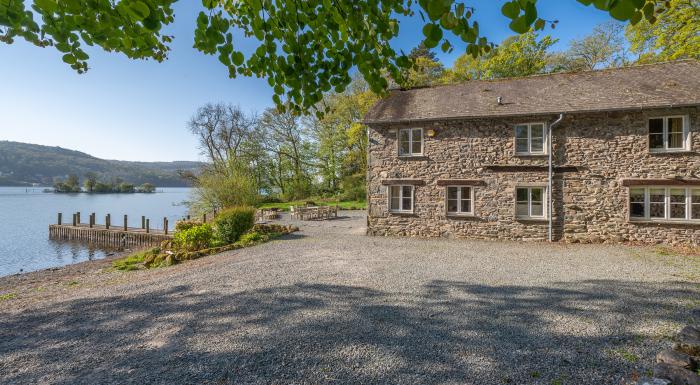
x: 672, y: 203
x: 459, y: 200
x: 401, y: 198
x: 530, y: 202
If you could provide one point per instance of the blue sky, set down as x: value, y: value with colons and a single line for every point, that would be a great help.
x: 137, y: 110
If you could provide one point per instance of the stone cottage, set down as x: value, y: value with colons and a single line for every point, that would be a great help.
x: 599, y: 156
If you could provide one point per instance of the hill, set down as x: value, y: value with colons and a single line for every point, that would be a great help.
x: 23, y: 164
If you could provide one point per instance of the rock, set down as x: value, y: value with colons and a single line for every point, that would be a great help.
x: 692, y: 332
x: 677, y: 376
x: 688, y: 341
x: 653, y: 381
x: 676, y: 358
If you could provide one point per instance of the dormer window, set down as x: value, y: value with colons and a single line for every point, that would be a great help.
x: 668, y: 134
x: 411, y: 142
x: 530, y: 139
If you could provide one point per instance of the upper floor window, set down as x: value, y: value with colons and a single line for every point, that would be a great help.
x: 669, y: 133
x: 530, y: 139
x: 410, y: 142
x: 659, y: 203
x: 460, y: 200
x: 401, y: 199
x: 530, y: 202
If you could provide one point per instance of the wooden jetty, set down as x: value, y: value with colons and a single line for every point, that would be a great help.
x: 109, y: 235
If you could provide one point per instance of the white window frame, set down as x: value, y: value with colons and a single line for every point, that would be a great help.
x: 459, y: 211
x: 686, y: 133
x: 667, y: 204
x: 410, y: 142
x: 401, y: 198
x: 529, y: 151
x: 529, y: 203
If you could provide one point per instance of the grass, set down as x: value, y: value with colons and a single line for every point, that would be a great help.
x: 130, y: 262
x: 343, y: 205
x: 626, y: 355
x: 7, y: 296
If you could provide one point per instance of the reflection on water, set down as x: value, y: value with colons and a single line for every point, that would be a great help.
x: 25, y: 214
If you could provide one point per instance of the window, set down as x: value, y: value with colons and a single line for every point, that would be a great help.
x: 529, y: 202
x: 401, y: 199
x: 459, y: 200
x: 664, y: 203
x: 530, y: 138
x: 410, y: 142
x: 668, y: 134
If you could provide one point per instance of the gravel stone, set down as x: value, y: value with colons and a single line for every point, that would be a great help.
x: 329, y: 305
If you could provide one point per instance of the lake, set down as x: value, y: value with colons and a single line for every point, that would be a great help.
x: 26, y: 213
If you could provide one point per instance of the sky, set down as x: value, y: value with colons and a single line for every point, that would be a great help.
x: 138, y: 110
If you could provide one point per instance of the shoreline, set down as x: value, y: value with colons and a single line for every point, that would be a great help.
x: 20, y: 290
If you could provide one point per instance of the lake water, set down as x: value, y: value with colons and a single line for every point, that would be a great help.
x: 26, y: 213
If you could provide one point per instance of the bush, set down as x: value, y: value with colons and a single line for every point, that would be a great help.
x: 195, y: 237
x: 186, y: 224
x: 233, y: 222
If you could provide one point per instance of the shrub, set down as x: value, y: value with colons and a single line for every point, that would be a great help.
x: 196, y: 237
x: 186, y: 224
x: 233, y: 222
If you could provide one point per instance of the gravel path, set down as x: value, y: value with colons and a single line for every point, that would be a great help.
x: 328, y: 305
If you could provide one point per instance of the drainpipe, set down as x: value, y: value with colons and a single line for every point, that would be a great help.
x: 549, y: 176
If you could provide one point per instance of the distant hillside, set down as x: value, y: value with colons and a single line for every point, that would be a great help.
x: 24, y: 164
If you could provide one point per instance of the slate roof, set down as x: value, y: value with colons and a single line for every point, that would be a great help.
x: 669, y: 84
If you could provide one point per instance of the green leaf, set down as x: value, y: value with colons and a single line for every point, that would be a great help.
x: 539, y: 24
x: 49, y: 6
x: 68, y: 58
x: 139, y: 10
x: 237, y: 58
x: 623, y: 10
x: 520, y: 25
x: 510, y: 9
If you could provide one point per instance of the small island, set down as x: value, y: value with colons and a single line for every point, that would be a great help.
x: 92, y: 185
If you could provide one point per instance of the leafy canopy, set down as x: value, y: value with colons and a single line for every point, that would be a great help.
x: 305, y: 47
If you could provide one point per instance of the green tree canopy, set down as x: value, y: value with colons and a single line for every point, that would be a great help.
x: 673, y: 33
x: 304, y: 48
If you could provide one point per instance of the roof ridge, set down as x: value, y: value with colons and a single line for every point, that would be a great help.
x: 609, y: 69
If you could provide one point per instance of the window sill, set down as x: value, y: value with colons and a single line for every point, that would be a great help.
x: 459, y: 215
x: 415, y: 156
x: 531, y: 154
x: 531, y: 219
x: 666, y: 221
x: 402, y: 213
x: 667, y: 152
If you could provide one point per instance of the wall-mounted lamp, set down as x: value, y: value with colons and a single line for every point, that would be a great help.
x: 430, y: 133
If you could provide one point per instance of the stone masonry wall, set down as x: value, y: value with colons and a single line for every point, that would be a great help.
x: 590, y: 203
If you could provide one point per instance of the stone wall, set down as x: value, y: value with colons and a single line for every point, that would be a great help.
x: 593, y: 153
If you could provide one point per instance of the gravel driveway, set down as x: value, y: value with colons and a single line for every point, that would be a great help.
x: 328, y: 305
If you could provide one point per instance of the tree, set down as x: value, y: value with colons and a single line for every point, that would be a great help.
x: 342, y: 140
x: 466, y: 67
x: 304, y: 48
x: 232, y: 185
x: 90, y: 181
x: 222, y: 130
x: 675, y: 34
x: 604, y: 47
x: 288, y: 141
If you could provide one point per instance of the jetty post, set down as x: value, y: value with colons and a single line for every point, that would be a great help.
x: 78, y: 216
x: 108, y: 219
x: 148, y: 226
x: 75, y: 219
x: 165, y: 225
x: 60, y: 218
x: 125, y: 223
x: 143, y: 221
